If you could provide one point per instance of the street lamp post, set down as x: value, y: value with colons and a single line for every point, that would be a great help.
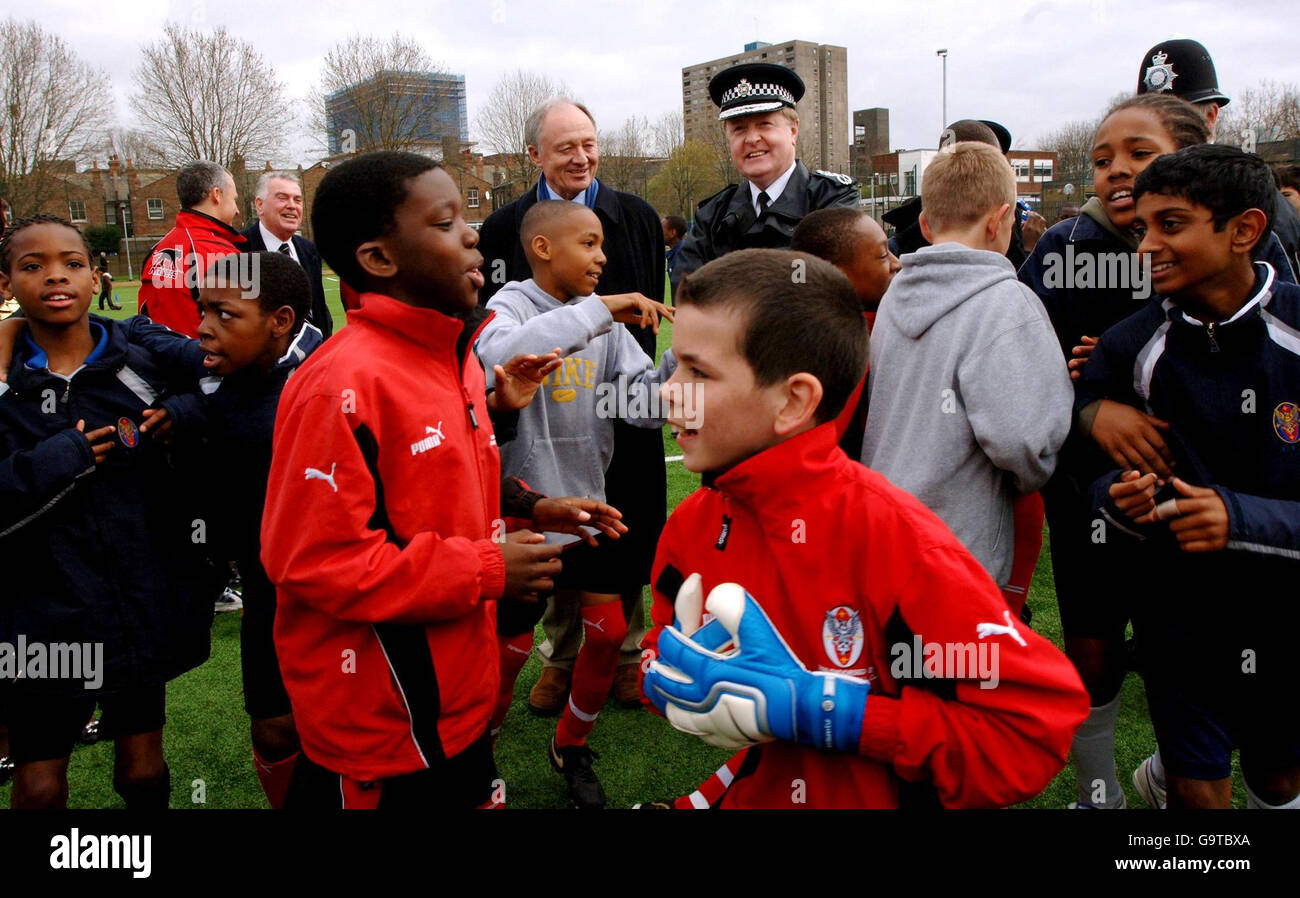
x: 126, y: 238
x: 943, y: 54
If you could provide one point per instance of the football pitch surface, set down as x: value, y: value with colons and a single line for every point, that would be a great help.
x: 641, y: 757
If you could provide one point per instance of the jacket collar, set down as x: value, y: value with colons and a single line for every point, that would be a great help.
x: 782, y: 473
x: 1260, y: 294
x: 196, y: 220
x: 792, y: 203
x: 429, y: 328
x: 110, y: 353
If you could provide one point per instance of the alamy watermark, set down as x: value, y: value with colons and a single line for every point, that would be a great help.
x: 173, y: 268
x: 1100, y: 271
x: 53, y: 661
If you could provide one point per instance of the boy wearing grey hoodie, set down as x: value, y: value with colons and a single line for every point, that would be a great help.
x: 565, y: 437
x: 970, y: 397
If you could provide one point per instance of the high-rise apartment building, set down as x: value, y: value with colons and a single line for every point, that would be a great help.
x: 422, y: 106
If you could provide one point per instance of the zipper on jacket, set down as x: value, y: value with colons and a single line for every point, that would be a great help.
x: 473, y: 419
x: 1214, y: 344
x: 724, y: 534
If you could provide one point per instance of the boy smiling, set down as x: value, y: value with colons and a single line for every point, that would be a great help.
x: 842, y: 568
x: 1219, y: 359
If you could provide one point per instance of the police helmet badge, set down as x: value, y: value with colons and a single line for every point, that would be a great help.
x: 842, y: 636
x: 1160, y: 74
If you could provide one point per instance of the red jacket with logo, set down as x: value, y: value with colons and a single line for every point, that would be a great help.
x: 860, y: 578
x: 385, y: 482
x: 171, y: 273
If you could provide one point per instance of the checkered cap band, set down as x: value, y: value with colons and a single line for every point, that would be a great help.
x: 760, y: 93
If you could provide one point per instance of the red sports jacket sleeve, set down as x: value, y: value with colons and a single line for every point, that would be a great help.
x: 991, y: 747
x: 319, y: 546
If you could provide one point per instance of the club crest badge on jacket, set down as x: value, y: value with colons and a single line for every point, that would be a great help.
x: 842, y: 636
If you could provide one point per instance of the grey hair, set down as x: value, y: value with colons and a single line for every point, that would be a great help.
x: 533, y: 126
x: 195, y: 181
x: 264, y: 182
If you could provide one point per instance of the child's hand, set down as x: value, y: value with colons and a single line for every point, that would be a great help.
x: 531, y: 565
x: 1135, y: 495
x: 10, y: 328
x: 635, y: 309
x: 1031, y: 229
x: 567, y: 515
x: 1132, y: 438
x: 158, y: 423
x: 1198, y: 518
x: 518, y: 379
x: 1081, y: 353
x: 102, y: 433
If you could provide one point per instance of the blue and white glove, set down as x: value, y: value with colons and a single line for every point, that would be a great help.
x: 734, y: 682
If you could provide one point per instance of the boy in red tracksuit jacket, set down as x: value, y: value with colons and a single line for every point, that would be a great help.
x: 873, y: 655
x: 382, y: 525
x: 170, y: 275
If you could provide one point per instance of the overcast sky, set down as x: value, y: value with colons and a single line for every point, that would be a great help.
x: 1030, y: 65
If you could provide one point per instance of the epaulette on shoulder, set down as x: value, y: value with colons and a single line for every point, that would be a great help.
x: 834, y: 176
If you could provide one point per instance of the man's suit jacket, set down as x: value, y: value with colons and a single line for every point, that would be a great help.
x: 309, y: 258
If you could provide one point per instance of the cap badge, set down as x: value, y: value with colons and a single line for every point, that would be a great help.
x: 1160, y: 76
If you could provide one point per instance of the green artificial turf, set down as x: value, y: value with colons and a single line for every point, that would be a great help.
x: 641, y: 756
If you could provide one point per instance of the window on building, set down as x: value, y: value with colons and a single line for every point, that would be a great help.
x: 471, y: 198
x: 1021, y: 168
x: 155, y: 209
x: 909, y: 183
x: 77, y: 210
x: 1043, y: 169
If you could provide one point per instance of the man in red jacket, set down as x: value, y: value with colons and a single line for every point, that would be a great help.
x: 869, y: 659
x: 169, y: 281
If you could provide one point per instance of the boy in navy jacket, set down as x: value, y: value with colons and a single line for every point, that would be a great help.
x: 78, y: 481
x: 1219, y: 359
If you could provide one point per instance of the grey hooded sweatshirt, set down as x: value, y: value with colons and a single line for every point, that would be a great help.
x: 565, y: 436
x: 970, y: 397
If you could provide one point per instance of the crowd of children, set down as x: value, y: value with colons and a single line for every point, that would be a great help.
x: 841, y: 600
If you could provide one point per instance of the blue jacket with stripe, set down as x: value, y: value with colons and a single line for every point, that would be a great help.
x: 103, y: 554
x: 1231, y: 393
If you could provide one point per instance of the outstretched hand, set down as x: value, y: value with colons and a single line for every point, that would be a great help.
x: 518, y: 380
x: 572, y: 514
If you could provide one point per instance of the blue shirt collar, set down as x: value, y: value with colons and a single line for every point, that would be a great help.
x: 587, y: 197
x: 37, y: 360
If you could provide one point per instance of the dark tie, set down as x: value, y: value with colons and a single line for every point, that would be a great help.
x: 763, y: 202
x: 284, y: 248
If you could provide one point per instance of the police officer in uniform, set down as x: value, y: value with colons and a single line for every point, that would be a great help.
x: 757, y: 103
x: 1184, y: 68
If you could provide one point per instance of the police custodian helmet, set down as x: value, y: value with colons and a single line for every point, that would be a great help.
x: 754, y: 87
x: 1182, y: 67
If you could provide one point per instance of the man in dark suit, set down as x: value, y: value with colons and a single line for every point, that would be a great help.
x: 561, y: 140
x: 278, y: 201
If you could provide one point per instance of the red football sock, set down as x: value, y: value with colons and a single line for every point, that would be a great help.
x: 593, y: 672
x: 514, y: 654
x: 1028, y: 533
x: 274, y: 777
x: 713, y: 788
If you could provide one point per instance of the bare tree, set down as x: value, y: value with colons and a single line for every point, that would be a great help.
x: 205, y: 95
x: 1072, y: 144
x: 1269, y: 111
x: 379, y: 90
x: 624, y: 156
x: 500, y: 123
x: 667, y: 134
x: 56, y: 108
x: 134, y: 146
